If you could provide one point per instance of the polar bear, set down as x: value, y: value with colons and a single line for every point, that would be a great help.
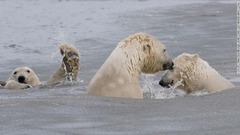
x: 24, y: 77
x: 119, y: 75
x: 194, y: 74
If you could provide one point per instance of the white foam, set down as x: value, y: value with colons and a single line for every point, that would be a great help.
x: 153, y: 90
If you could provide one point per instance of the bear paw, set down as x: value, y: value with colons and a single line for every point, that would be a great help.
x: 70, y: 61
x: 26, y: 86
x: 2, y: 83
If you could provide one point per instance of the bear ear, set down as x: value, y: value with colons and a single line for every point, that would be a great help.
x: 61, y: 51
x: 195, y: 56
x: 146, y: 48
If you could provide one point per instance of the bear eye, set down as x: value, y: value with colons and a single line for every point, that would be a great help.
x: 164, y: 50
x: 15, y: 73
x: 28, y: 71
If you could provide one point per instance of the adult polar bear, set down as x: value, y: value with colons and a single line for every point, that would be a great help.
x: 194, y: 74
x: 119, y: 75
x: 24, y: 77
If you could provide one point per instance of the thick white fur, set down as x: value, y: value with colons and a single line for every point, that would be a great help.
x: 31, y: 79
x: 196, y: 74
x: 119, y: 75
x: 67, y: 71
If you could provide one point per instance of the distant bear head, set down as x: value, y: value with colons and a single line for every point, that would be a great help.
x: 25, y: 75
x: 184, y: 71
x: 148, y: 52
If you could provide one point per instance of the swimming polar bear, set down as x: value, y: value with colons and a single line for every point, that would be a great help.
x: 24, y: 77
x: 194, y: 74
x: 119, y: 75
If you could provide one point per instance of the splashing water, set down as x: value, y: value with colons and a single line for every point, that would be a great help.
x: 148, y: 88
x: 69, y: 76
x: 171, y: 92
x: 178, y: 83
x: 61, y: 37
x: 153, y: 90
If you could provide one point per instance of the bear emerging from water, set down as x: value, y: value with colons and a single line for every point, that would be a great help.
x: 24, y: 77
x: 194, y: 74
x: 119, y: 75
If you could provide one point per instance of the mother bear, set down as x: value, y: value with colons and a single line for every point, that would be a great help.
x: 119, y: 75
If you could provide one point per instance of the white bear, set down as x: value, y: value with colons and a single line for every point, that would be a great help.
x: 119, y: 75
x: 24, y: 77
x: 194, y: 74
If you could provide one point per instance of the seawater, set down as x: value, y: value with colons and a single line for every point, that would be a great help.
x: 32, y: 30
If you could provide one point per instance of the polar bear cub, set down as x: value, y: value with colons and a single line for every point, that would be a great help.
x: 24, y: 77
x: 119, y: 75
x: 194, y: 74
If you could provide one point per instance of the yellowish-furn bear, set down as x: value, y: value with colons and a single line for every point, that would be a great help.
x: 119, y: 75
x: 24, y: 77
x: 194, y: 74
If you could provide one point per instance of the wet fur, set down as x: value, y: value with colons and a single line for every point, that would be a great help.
x: 69, y: 68
x: 119, y: 75
x: 68, y: 71
x: 197, y: 74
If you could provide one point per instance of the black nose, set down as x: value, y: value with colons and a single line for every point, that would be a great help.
x: 165, y: 84
x: 21, y: 79
x: 161, y: 83
x: 168, y: 65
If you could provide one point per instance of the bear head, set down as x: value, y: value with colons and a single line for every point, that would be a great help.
x: 25, y: 75
x: 184, y: 72
x: 146, y: 51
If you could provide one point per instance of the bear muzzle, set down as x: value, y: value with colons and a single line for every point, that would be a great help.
x: 166, y: 84
x: 21, y: 79
x: 168, y: 65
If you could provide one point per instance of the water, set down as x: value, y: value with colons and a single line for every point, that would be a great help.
x: 32, y: 30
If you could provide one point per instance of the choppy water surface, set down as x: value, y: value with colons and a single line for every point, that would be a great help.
x: 32, y: 30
